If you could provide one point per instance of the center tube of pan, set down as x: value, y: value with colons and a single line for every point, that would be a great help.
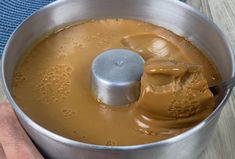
x: 115, y: 77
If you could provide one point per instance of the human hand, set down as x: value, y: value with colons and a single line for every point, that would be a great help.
x: 14, y: 142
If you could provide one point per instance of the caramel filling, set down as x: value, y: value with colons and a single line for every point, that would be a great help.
x: 173, y: 95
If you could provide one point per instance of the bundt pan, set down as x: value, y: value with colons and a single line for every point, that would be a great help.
x: 171, y: 14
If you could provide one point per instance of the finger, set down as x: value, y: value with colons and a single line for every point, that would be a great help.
x: 15, y: 142
x: 2, y: 153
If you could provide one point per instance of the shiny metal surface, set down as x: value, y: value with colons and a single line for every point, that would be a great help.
x: 173, y: 15
x: 228, y: 84
x: 115, y: 77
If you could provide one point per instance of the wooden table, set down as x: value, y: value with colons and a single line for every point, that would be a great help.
x: 222, y: 144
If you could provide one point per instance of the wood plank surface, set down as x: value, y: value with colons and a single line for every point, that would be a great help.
x: 222, y: 144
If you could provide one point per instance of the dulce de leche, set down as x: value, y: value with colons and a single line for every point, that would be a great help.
x: 173, y: 95
x: 51, y: 83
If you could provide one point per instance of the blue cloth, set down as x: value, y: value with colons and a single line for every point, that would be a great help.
x: 12, y: 13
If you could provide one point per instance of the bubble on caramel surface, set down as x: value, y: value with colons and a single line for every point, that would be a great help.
x: 111, y: 143
x: 20, y: 77
x: 55, y: 83
x: 68, y: 112
x: 101, y: 39
x: 79, y: 135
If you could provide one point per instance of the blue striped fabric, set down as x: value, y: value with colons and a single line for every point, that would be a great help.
x: 12, y: 13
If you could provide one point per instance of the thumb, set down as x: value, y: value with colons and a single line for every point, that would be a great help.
x: 15, y: 142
